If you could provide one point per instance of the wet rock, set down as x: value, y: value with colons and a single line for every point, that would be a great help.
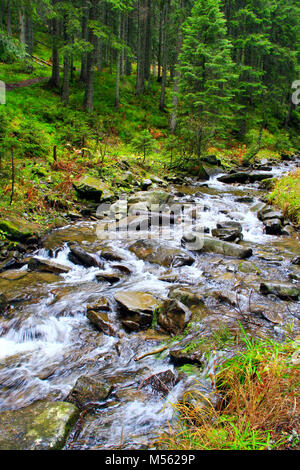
x: 154, y: 252
x: 169, y: 277
x: 207, y: 244
x: 19, y: 229
x: 284, y: 291
x: 102, y: 322
x: 3, y: 303
x: 228, y: 231
x: 267, y: 183
x: 150, y: 197
x: 173, y: 316
x: 122, y: 267
x: 244, y: 199
x: 243, y: 177
x: 146, y: 183
x: 247, y: 267
x: 273, y: 226
x: 262, y: 310
x: 137, y: 307
x: 188, y: 296
x: 131, y: 223
x: 40, y: 426
x: 160, y: 383
x: 271, y: 219
x: 100, y: 304
x: 48, y: 266
x: 79, y: 256
x: 288, y: 230
x: 227, y: 296
x: 296, y: 260
x: 90, y: 187
x: 13, y: 275
x: 110, y: 254
x: 190, y: 351
x: 295, y: 275
x: 88, y: 391
x: 112, y: 278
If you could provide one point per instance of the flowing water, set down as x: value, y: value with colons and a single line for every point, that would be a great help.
x: 47, y: 342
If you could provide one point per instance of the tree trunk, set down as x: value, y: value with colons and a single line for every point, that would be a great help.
x: 8, y: 10
x: 84, y: 36
x: 89, y: 90
x: 118, y: 66
x: 22, y: 21
x: 54, y: 80
x: 164, y: 53
x: 66, y: 79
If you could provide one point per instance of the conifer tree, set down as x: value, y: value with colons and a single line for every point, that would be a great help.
x: 206, y: 70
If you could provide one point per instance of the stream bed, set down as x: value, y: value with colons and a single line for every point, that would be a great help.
x: 47, y: 341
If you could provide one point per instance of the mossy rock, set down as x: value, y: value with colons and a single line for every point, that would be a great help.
x: 40, y: 426
x: 247, y: 267
x: 89, y: 187
x: 17, y: 228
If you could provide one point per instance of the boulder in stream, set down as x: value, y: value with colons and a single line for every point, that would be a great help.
x: 136, y: 308
x: 156, y: 253
x: 79, y: 256
x: 173, y: 316
x: 102, y: 322
x: 47, y: 266
x: 40, y: 426
x: 244, y: 177
x: 206, y: 244
x: 89, y: 391
x: 150, y: 197
x: 228, y: 231
x: 283, y: 290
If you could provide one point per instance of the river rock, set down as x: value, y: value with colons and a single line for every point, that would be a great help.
x: 100, y: 304
x: 273, y: 226
x: 110, y: 254
x: 48, y: 266
x: 145, y: 185
x: 90, y: 187
x: 19, y: 229
x: 284, y: 291
x: 112, y: 278
x: 228, y: 231
x: 136, y: 308
x: 173, y: 316
x: 88, y: 391
x: 206, y: 244
x: 40, y: 426
x: 160, y: 383
x: 102, y: 322
x: 154, y: 252
x: 189, y: 351
x: 150, y: 197
x: 79, y: 256
x: 243, y: 177
x: 296, y: 260
x: 3, y: 303
x: 188, y: 296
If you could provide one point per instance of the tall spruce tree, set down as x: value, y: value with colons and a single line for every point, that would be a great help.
x: 206, y: 73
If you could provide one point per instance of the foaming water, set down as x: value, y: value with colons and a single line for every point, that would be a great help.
x: 48, y: 342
